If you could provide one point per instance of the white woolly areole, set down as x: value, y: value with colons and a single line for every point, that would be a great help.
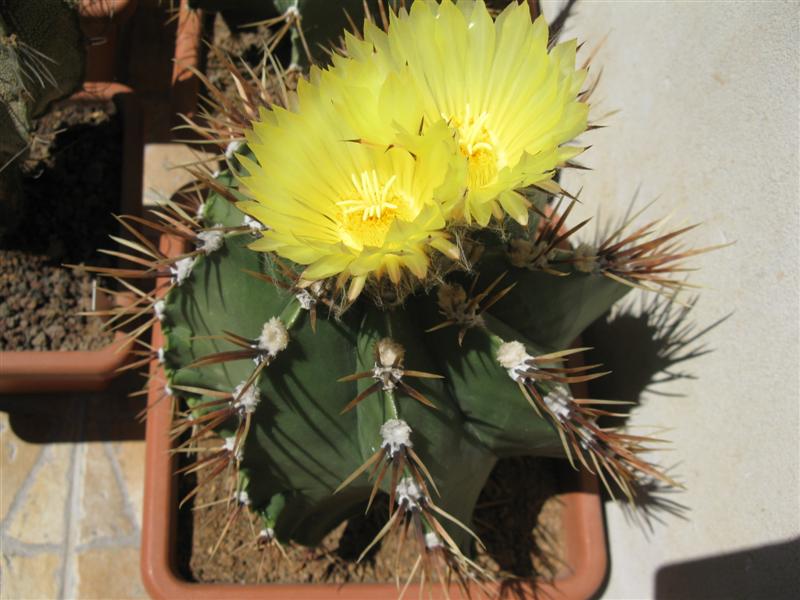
x: 268, y: 533
x: 408, y: 493
x: 167, y: 390
x: 160, y: 355
x: 390, y: 353
x: 513, y: 357
x: 243, y: 497
x: 396, y: 434
x: 559, y: 401
x: 232, y: 148
x: 229, y: 445
x: 512, y: 354
x: 182, y: 269
x: 305, y: 299
x: 274, y: 337
x: 158, y: 309
x: 585, y: 258
x: 248, y: 401
x: 211, y: 239
x: 432, y: 540
x: 292, y: 13
x: 255, y: 225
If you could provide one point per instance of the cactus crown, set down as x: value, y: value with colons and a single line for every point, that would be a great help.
x: 335, y: 366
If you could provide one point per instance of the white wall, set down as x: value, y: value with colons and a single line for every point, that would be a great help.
x: 708, y: 94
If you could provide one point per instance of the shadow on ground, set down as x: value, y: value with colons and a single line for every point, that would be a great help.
x: 766, y: 572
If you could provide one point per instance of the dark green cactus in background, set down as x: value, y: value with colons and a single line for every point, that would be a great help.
x: 41, y: 60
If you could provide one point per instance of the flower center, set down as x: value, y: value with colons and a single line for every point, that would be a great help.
x: 476, y: 143
x: 368, y: 214
x: 372, y: 199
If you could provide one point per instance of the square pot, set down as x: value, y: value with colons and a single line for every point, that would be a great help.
x: 582, y: 515
x: 32, y: 371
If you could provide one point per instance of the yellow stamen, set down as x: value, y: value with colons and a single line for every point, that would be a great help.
x: 476, y: 143
x: 372, y: 197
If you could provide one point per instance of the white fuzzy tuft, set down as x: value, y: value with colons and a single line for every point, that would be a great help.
x: 182, y: 269
x: 243, y: 497
x: 254, y: 225
x: 274, y: 337
x: 432, y: 540
x: 167, y: 390
x: 158, y: 309
x: 390, y: 353
x: 305, y: 299
x: 396, y: 434
x: 247, y: 401
x: 559, y: 401
x: 211, y: 239
x: 267, y: 534
x: 408, y: 493
x: 229, y: 445
x: 514, y: 358
x: 292, y: 13
x: 585, y: 258
x: 160, y: 355
x: 232, y: 148
x: 512, y: 354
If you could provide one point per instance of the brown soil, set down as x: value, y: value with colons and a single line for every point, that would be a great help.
x: 242, y: 44
x: 518, y: 517
x: 71, y: 184
x: 39, y: 305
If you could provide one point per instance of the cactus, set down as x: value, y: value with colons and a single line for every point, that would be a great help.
x: 41, y: 60
x: 326, y: 385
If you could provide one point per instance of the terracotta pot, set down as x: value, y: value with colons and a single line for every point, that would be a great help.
x: 57, y: 371
x: 582, y: 517
x: 185, y: 82
x: 103, y: 23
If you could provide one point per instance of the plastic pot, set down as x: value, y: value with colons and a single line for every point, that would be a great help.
x: 185, y: 83
x: 103, y: 23
x: 60, y: 371
x: 582, y: 514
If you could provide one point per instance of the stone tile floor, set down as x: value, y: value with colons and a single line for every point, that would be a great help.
x: 71, y: 478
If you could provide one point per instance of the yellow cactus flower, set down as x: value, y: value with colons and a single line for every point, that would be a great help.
x: 511, y: 103
x: 337, y: 203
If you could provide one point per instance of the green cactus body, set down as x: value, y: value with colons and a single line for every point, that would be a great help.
x: 299, y: 447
